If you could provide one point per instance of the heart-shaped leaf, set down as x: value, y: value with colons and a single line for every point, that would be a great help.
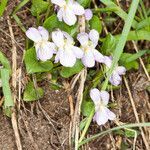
x: 67, y: 72
x: 33, y: 65
x: 32, y: 94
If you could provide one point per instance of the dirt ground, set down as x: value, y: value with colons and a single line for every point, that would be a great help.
x: 44, y: 125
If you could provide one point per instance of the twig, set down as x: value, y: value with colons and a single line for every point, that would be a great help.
x: 14, y: 84
x: 83, y: 73
x: 78, y: 106
x: 135, y: 113
x: 141, y: 61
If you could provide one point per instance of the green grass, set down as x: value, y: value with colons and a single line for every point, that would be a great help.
x: 3, y: 6
x: 114, y: 129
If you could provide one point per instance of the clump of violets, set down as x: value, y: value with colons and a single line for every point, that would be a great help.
x: 102, y: 113
x: 68, y: 10
x: 115, y: 78
x: 44, y: 48
x: 88, y: 45
x: 67, y: 53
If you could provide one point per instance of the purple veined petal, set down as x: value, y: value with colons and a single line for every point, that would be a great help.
x: 68, y: 37
x: 88, y: 59
x: 110, y: 114
x: 33, y: 34
x: 98, y: 56
x: 60, y: 14
x: 83, y: 38
x: 67, y: 58
x: 59, y: 2
x: 77, y: 51
x: 58, y: 38
x: 121, y: 70
x: 104, y: 97
x: 107, y: 61
x: 94, y: 36
x: 115, y: 79
x: 45, y: 52
x: 44, y: 33
x: 101, y: 117
x: 88, y: 14
x: 77, y: 9
x: 95, y: 95
x: 69, y: 17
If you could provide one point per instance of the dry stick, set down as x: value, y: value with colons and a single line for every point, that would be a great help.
x: 135, y: 113
x: 76, y: 119
x: 11, y: 38
x: 72, y: 85
x: 14, y: 84
x: 141, y: 61
x: 78, y: 107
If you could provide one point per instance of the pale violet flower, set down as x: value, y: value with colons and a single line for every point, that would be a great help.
x: 102, y: 113
x: 44, y: 48
x: 88, y: 14
x: 67, y: 53
x: 68, y: 10
x: 115, y: 78
x: 88, y: 45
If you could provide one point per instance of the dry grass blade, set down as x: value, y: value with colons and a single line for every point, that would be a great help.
x: 14, y: 84
x: 136, y: 113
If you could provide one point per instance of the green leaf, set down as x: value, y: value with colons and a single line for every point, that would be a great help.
x: 109, y: 44
x: 96, y: 24
x: 38, y: 7
x: 3, y: 6
x: 32, y: 94
x: 4, y: 61
x: 82, y: 124
x: 128, y: 57
x: 129, y: 60
x: 144, y: 23
x: 67, y: 72
x: 132, y: 65
x: 131, y: 133
x: 84, y: 3
x: 137, y: 35
x: 33, y: 65
x: 8, y: 101
x: 87, y: 107
x: 52, y: 23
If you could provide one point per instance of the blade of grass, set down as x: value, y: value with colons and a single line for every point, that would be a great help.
x: 21, y: 4
x: 5, y: 62
x: 122, y: 40
x: 8, y: 102
x: 119, y: 49
x: 121, y: 13
x: 19, y: 23
x: 3, y: 6
x: 137, y: 35
x: 147, y: 124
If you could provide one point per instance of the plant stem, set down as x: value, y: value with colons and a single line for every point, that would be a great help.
x: 114, y: 129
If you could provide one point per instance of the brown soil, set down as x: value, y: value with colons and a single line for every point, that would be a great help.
x: 44, y: 124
